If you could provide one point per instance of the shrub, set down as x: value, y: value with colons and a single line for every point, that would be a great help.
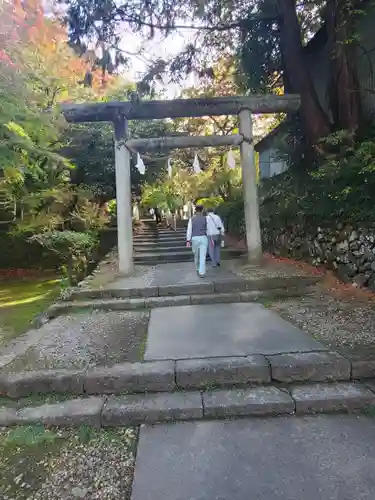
x: 232, y: 214
x: 73, y: 247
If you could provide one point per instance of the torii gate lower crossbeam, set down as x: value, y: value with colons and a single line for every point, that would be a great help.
x: 120, y: 112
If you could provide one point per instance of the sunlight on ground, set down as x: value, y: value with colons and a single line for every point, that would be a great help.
x: 21, y: 301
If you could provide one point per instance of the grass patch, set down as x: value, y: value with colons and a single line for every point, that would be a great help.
x: 21, y: 301
x: 25, y: 453
x: 30, y: 455
x: 369, y: 411
x: 267, y: 303
x: 37, y: 400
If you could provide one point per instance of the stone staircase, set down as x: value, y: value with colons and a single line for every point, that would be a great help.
x: 155, y: 245
x: 116, y: 297
x: 296, y: 383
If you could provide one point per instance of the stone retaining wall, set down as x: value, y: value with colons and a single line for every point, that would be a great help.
x: 348, y: 250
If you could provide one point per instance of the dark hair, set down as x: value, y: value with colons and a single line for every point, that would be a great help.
x: 210, y: 210
x: 199, y: 209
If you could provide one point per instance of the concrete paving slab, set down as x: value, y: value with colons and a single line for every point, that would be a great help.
x: 310, y: 458
x: 174, y: 273
x: 214, y: 330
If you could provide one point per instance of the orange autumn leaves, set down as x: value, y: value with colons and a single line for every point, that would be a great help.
x: 33, y: 42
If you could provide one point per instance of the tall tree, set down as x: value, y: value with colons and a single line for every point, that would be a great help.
x: 280, y: 25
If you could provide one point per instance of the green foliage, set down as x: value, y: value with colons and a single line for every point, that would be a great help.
x: 232, y: 214
x: 65, y: 221
x: 340, y: 189
x: 112, y: 207
x: 73, y: 246
x: 161, y: 195
x: 66, y: 242
x: 211, y: 202
x: 90, y: 147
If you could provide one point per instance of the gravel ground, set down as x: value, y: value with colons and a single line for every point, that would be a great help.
x: 87, y: 464
x: 87, y: 338
x: 343, y: 322
x: 272, y: 268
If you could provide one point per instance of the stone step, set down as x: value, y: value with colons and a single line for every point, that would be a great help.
x: 162, y: 232
x: 138, y: 409
x: 150, y: 258
x: 131, y: 304
x: 169, y: 235
x: 157, y: 248
x: 145, y: 245
x: 162, y: 237
x: 225, y: 286
x: 178, y: 232
x: 166, y: 241
x: 185, y: 374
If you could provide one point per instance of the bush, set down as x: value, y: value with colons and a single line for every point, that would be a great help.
x: 339, y: 189
x: 73, y: 247
x: 232, y: 214
x: 17, y: 252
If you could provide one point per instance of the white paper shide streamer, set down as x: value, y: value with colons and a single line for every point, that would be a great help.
x: 196, y: 166
x: 140, y: 165
x: 231, y: 162
x: 169, y: 165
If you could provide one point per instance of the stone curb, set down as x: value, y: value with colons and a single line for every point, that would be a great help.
x: 224, y: 286
x: 69, y: 413
x: 137, y: 409
x: 181, y: 406
x: 261, y: 401
x: 168, y: 376
x: 203, y: 373
x: 309, y: 366
x: 158, y: 376
x: 323, y: 398
x: 133, y: 304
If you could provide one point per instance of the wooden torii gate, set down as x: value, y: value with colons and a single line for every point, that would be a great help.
x: 119, y: 113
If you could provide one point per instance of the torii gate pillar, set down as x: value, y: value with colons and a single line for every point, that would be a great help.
x: 250, y: 189
x: 123, y: 197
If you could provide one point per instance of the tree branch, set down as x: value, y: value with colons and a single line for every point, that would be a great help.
x: 219, y: 27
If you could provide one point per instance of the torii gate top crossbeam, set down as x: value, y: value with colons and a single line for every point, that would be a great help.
x: 179, y: 108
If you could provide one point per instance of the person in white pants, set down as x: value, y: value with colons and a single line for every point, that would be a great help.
x: 215, y: 234
x: 196, y: 237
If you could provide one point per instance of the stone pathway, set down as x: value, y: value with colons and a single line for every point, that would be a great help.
x: 285, y: 458
x: 204, y: 365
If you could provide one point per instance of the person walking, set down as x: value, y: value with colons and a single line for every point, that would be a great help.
x: 196, y: 238
x: 157, y: 215
x: 215, y: 234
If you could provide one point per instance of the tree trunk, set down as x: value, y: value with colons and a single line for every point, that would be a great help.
x: 314, y: 120
x: 345, y: 97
